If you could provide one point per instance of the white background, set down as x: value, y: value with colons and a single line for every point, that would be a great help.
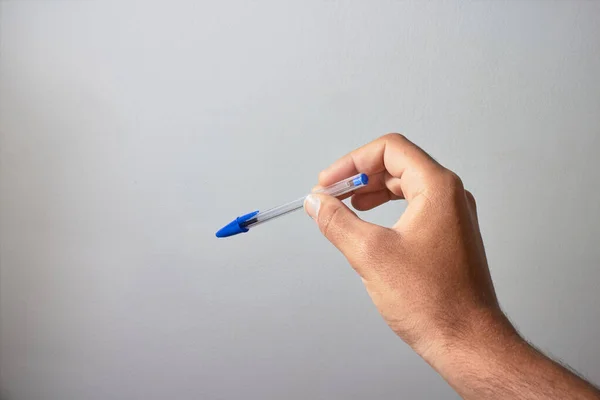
x: 132, y: 131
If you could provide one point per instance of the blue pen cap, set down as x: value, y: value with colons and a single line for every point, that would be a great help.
x: 360, y: 180
x: 236, y: 226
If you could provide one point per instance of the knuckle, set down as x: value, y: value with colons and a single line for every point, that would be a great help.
x: 451, y: 182
x: 394, y: 136
x: 471, y: 199
x: 448, y: 189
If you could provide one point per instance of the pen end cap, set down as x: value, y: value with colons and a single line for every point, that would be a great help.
x: 361, y: 180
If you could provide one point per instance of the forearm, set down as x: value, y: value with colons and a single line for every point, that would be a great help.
x: 498, y: 364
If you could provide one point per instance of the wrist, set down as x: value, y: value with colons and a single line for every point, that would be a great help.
x: 478, y: 336
x: 488, y: 359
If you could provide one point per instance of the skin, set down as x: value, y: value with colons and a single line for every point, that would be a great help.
x: 428, y: 275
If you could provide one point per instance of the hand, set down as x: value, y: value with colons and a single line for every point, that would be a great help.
x: 428, y: 274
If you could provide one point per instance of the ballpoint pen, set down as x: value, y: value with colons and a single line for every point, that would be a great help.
x: 245, y: 222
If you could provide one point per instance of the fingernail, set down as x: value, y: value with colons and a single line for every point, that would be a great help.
x: 312, y: 205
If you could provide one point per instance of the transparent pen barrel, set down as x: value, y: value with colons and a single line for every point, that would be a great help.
x: 336, y: 190
x: 276, y: 212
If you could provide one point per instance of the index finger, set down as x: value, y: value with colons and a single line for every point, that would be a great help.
x: 393, y: 153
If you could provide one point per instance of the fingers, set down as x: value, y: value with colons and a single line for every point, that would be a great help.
x: 398, y: 160
x: 338, y: 224
x: 367, y: 201
x: 381, y: 182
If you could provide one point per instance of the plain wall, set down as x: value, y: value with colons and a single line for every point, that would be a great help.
x: 132, y: 131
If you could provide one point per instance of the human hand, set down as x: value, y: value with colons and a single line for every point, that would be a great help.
x: 428, y: 274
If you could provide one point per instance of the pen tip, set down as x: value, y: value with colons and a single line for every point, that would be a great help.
x: 236, y: 226
x: 227, y: 230
x: 219, y: 234
x: 232, y: 228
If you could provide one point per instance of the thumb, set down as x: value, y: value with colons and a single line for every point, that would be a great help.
x: 337, y: 222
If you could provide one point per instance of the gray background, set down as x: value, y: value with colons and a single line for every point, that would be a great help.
x: 131, y: 131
